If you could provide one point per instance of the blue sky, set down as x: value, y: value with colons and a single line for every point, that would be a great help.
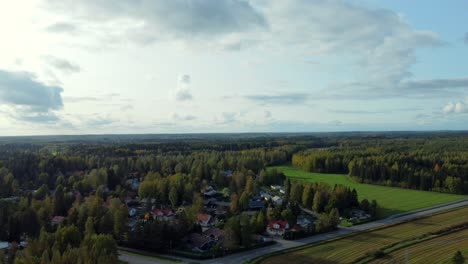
x: 118, y: 66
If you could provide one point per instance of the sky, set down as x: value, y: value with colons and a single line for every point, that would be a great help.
x: 192, y: 66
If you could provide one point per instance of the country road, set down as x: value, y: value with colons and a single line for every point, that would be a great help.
x: 286, y: 244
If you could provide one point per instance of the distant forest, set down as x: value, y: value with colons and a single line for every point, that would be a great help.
x: 432, y: 164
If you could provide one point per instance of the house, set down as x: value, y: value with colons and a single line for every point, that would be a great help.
x: 222, y: 204
x: 305, y: 222
x: 198, y: 243
x: 146, y: 201
x: 165, y: 215
x: 215, y: 234
x: 206, y: 221
x: 266, y: 196
x: 297, y: 228
x: 228, y: 173
x: 256, y: 203
x: 278, y: 188
x: 210, y: 192
x: 360, y: 214
x: 4, y: 246
x: 210, y: 202
x: 130, y: 200
x: 132, y: 224
x: 57, y: 220
x: 133, y: 183
x: 132, y: 212
x: 277, y: 228
x: 13, y: 199
x: 277, y: 200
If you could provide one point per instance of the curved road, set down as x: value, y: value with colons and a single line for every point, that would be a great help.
x: 286, y: 244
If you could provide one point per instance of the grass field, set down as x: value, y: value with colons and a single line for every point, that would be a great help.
x: 390, y: 200
x: 350, y: 249
x: 437, y: 250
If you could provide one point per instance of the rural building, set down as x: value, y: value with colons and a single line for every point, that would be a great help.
x: 277, y: 228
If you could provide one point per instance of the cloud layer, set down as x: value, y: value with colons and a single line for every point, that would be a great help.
x: 30, y: 99
x: 153, y: 20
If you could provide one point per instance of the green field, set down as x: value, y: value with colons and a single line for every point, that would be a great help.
x: 352, y: 248
x: 390, y: 200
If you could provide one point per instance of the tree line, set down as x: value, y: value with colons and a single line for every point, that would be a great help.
x: 435, y: 164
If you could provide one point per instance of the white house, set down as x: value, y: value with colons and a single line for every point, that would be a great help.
x: 277, y: 200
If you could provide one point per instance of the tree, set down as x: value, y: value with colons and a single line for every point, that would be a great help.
x: 101, y: 249
x: 197, y: 206
x: 45, y: 259
x: 234, y: 208
x: 288, y: 215
x: 59, y: 201
x: 320, y: 201
x: 334, y: 218
x: 296, y: 193
x: 458, y: 258
x: 89, y: 227
x: 173, y: 196
x: 244, y: 201
x: 365, y: 205
x: 260, y: 222
x: 68, y: 235
x: 287, y: 188
x: 307, y: 196
x: 120, y: 223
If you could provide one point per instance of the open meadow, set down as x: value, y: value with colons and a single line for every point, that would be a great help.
x: 351, y: 248
x: 390, y: 200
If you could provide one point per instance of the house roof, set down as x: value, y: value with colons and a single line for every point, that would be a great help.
x: 297, y: 228
x: 215, y: 233
x: 163, y: 212
x: 210, y: 193
x: 203, y: 217
x: 282, y: 224
x: 57, y: 220
x: 196, y: 240
x: 256, y: 204
x: 276, y: 198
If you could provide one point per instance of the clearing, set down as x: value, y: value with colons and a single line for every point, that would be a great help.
x: 391, y: 200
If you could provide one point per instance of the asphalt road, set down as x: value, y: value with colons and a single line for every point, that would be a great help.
x: 286, y: 244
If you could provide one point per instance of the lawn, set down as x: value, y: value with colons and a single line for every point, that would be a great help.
x: 351, y: 248
x: 437, y: 250
x: 390, y: 200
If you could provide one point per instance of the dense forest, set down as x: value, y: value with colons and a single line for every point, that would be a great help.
x: 70, y: 202
x: 431, y: 164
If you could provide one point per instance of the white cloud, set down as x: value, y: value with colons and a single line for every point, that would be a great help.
x: 182, y: 91
x: 226, y: 118
x: 456, y: 107
x: 178, y: 117
x: 62, y: 65
x: 28, y: 98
